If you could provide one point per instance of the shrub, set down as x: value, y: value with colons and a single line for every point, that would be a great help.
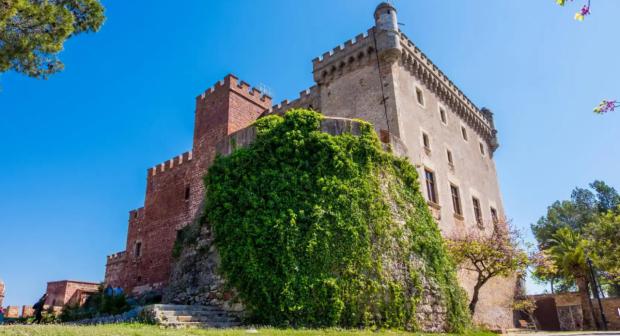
x: 321, y: 230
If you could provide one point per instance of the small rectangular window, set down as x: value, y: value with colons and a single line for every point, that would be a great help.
x: 494, y: 216
x: 450, y: 160
x: 477, y: 211
x: 482, y: 148
x: 464, y: 132
x: 426, y: 141
x: 138, y: 249
x: 456, y: 200
x: 187, y: 193
x: 419, y: 96
x: 442, y: 115
x: 431, y: 187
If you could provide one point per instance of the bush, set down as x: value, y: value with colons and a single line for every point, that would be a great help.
x: 98, y: 304
x: 320, y: 230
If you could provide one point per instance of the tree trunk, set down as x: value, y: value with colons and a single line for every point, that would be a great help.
x: 474, y: 297
x: 586, y: 304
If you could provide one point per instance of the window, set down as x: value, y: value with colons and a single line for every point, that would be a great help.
x: 442, y: 115
x: 464, y: 133
x: 187, y: 193
x: 456, y: 200
x: 138, y: 249
x: 431, y: 188
x: 135, y: 214
x: 419, y: 96
x: 426, y: 142
x: 477, y: 211
x: 494, y: 215
x: 450, y: 160
x: 482, y: 149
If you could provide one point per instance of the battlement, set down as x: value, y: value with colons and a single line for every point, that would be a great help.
x: 307, y: 98
x: 170, y: 164
x: 232, y: 83
x: 116, y: 257
x: 351, y: 51
x: 412, y: 52
x: 136, y: 213
x: 415, y: 61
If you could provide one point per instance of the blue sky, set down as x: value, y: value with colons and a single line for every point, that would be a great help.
x: 75, y: 148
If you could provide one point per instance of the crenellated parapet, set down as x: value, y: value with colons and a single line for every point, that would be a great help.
x: 416, y: 62
x: 232, y: 83
x: 353, y: 54
x: 170, y: 164
x: 116, y: 257
x: 309, y: 99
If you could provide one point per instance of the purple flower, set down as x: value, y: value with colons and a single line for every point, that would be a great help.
x: 585, y: 10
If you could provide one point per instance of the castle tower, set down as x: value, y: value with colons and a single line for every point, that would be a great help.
x: 386, y: 32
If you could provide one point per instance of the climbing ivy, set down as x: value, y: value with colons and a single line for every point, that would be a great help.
x: 321, y: 230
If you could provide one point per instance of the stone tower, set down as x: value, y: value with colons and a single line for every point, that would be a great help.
x: 379, y: 76
x: 387, y: 37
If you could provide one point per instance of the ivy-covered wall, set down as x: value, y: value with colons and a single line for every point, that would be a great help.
x: 314, y: 229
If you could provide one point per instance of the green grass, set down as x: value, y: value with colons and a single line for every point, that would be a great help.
x: 148, y: 330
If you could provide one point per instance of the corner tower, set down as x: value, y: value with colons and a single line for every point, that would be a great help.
x: 387, y: 32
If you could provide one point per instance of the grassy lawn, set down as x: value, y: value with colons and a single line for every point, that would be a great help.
x: 147, y: 330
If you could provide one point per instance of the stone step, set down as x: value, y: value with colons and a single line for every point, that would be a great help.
x: 171, y: 307
x: 179, y: 325
x: 205, y: 319
x: 195, y: 313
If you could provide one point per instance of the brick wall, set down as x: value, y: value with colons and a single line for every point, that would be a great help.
x: 11, y: 312
x: 174, y: 189
x: 59, y: 293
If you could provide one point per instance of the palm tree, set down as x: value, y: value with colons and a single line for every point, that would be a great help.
x: 568, y: 251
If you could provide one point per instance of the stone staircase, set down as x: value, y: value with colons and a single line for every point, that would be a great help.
x: 183, y: 316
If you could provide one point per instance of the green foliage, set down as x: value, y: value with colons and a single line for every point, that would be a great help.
x: 97, y: 304
x: 33, y: 32
x: 604, y: 248
x: 584, y: 207
x: 135, y: 329
x: 311, y: 227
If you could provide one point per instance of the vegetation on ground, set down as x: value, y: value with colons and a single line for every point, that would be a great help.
x: 310, y: 227
x: 147, y: 330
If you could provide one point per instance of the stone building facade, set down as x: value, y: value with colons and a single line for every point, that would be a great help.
x: 60, y: 293
x: 379, y: 76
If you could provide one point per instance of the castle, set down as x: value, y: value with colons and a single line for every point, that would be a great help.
x: 379, y: 76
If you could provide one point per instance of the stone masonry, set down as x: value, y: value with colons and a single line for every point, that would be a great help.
x: 379, y: 76
x: 60, y: 293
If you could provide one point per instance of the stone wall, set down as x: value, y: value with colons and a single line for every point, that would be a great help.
x: 60, y: 293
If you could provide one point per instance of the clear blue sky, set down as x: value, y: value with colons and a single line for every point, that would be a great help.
x: 75, y: 148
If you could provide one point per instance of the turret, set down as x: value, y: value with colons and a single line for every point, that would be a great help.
x: 386, y: 32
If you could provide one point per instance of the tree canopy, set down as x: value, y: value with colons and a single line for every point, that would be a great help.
x: 33, y: 32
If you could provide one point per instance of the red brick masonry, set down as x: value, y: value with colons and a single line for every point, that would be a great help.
x: 174, y: 189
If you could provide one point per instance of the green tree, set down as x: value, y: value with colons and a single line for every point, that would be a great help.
x: 33, y: 32
x: 583, y: 208
x: 604, y: 246
x: 488, y: 256
x: 568, y: 252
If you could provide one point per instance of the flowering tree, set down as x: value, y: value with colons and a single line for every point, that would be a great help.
x: 606, y: 106
x: 489, y: 256
x: 581, y: 14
